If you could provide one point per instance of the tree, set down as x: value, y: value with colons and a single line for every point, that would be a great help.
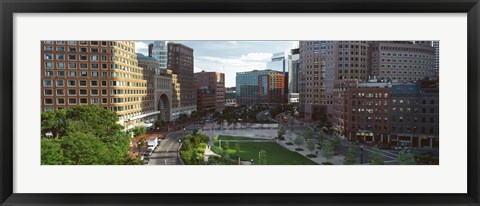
x: 377, y: 157
x: 225, y: 145
x: 299, y: 140
x: 237, y: 149
x: 159, y: 125
x: 262, y: 157
x: 281, y: 132
x: 83, y: 149
x: 327, y: 151
x: 336, y: 145
x: 141, y: 144
x: 406, y: 158
x: 215, y: 139
x: 350, y: 157
x: 52, y: 153
x: 309, y: 133
x: 137, y: 131
x: 310, y: 145
x: 321, y: 136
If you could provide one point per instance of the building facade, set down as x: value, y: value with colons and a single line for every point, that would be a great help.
x: 323, y: 66
x: 293, y: 76
x: 247, y: 86
x: 415, y: 114
x: 159, y: 51
x: 180, y: 62
x: 159, y: 86
x: 103, y: 73
x: 230, y: 96
x: 401, y: 61
x: 271, y: 88
x: 210, y: 91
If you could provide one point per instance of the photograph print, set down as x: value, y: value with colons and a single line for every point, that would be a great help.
x: 245, y: 103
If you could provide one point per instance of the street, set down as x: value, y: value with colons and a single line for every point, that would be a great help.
x: 167, y: 152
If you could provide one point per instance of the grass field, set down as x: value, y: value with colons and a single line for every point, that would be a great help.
x: 223, y: 137
x: 276, y: 154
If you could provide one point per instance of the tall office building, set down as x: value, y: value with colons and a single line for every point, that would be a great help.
x: 103, y: 73
x: 159, y: 52
x: 278, y: 62
x: 323, y: 66
x: 180, y: 61
x: 271, y: 88
x: 293, y: 75
x: 210, y: 91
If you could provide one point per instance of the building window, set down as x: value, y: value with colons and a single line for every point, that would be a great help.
x: 72, y: 57
x: 60, y: 92
x: 60, y: 65
x: 94, y: 74
x: 47, y: 83
x: 48, y: 56
x: 94, y: 66
x: 72, y: 74
x: 94, y: 100
x: 94, y: 58
x: 48, y: 65
x: 104, y: 83
x: 83, y: 66
x: 72, y: 101
x: 83, y: 73
x: 71, y: 83
x: 61, y: 73
x: 94, y: 83
x: 48, y: 73
x: 60, y: 83
x: 72, y: 92
x: 72, y: 65
x: 61, y: 101
x: 83, y: 92
x: 83, y: 101
x: 83, y: 83
x: 48, y: 92
x: 48, y: 101
x: 60, y: 56
x: 94, y: 92
x: 104, y: 100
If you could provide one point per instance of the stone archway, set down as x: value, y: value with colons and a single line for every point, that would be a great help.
x: 164, y: 107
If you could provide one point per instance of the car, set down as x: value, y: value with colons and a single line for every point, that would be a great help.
x: 149, y: 151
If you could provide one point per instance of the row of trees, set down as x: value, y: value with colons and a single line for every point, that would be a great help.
x: 84, y: 135
x: 193, y: 148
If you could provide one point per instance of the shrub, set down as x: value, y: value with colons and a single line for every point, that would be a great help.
x: 298, y: 149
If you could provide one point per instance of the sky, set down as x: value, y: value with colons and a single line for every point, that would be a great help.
x: 229, y: 57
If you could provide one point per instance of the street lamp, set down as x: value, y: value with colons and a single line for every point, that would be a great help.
x: 184, y: 129
x: 361, y: 154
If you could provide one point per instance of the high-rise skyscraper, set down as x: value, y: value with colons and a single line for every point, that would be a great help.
x: 323, y: 65
x: 159, y: 52
x: 249, y: 84
x: 184, y: 97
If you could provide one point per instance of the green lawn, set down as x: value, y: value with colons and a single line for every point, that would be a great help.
x: 276, y: 154
x: 222, y: 137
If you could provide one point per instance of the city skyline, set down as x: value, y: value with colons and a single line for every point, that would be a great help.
x: 229, y: 57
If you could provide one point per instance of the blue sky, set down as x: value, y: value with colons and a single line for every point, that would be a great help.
x: 229, y: 57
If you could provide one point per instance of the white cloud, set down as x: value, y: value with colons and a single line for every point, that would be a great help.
x: 264, y: 57
x: 141, y: 47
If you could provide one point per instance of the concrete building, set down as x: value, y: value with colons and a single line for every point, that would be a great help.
x: 362, y: 111
x: 323, y: 66
x: 247, y: 86
x: 436, y: 46
x: 271, y: 88
x: 293, y: 76
x: 399, y: 61
x: 415, y: 114
x: 278, y: 62
x: 184, y: 96
x: 210, y: 91
x: 230, y: 96
x: 103, y: 73
x: 159, y: 86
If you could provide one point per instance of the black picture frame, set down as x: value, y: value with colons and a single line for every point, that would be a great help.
x: 10, y: 7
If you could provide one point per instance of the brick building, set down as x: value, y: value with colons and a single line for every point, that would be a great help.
x: 210, y: 91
